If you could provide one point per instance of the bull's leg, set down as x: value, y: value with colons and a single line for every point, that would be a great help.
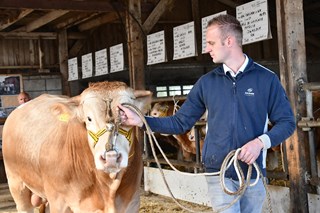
x: 134, y: 205
x: 56, y: 204
x: 21, y: 195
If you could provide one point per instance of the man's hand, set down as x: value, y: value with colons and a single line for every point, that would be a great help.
x: 128, y: 117
x: 251, y: 151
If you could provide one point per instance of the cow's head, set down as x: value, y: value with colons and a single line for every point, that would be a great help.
x: 159, y: 109
x: 110, y: 141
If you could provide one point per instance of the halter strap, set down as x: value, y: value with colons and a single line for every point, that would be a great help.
x: 95, y: 136
x: 127, y: 135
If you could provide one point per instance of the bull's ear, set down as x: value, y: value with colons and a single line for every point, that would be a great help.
x: 143, y: 100
x: 76, y: 101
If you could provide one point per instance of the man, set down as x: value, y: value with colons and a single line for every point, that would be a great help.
x: 23, y: 97
x: 241, y: 97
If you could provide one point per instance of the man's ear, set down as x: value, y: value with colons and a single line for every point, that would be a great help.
x: 230, y: 41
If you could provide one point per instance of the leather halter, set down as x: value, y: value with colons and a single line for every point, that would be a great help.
x: 111, y: 145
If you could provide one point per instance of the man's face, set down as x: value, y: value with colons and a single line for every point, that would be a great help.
x: 23, y: 99
x: 214, y: 45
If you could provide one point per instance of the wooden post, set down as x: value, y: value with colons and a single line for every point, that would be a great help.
x: 63, y: 61
x: 135, y: 45
x: 292, y: 63
x: 197, y: 22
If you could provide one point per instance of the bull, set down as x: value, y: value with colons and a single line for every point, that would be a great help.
x: 74, y: 152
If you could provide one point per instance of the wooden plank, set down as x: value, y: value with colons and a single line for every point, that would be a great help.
x: 110, y: 17
x: 153, y: 18
x: 63, y: 61
x: 1, y: 52
x: 197, y: 22
x: 4, y: 185
x: 36, y: 35
x: 31, y: 53
x: 74, y: 20
x: 92, y: 5
x: 229, y: 3
x: 75, y: 49
x: 292, y: 63
x: 10, y: 21
x: 42, y: 21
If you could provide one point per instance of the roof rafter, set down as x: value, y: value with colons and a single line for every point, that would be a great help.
x: 12, y: 20
x: 74, y: 20
x: 107, y: 18
x: 155, y: 15
x: 42, y: 21
x: 94, y: 5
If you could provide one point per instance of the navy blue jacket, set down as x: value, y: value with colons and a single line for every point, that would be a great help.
x: 238, y: 111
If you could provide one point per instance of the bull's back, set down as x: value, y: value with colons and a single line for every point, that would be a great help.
x: 26, y: 129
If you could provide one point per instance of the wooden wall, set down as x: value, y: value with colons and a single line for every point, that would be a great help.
x: 24, y: 54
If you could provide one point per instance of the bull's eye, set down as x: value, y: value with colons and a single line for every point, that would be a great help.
x: 89, y: 119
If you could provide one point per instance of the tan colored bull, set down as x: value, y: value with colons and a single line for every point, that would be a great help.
x: 74, y: 152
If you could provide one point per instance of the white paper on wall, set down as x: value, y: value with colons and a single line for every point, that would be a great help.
x: 101, y: 62
x: 73, y: 69
x: 204, y: 23
x: 254, y: 18
x: 156, y: 48
x: 184, y: 41
x: 87, y: 66
x: 116, y: 58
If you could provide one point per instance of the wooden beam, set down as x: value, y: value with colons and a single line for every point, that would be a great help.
x: 292, y: 63
x: 135, y: 45
x: 197, y: 22
x: 77, y: 47
x: 110, y: 17
x: 42, y: 21
x: 63, y: 61
x: 229, y: 3
x: 36, y: 35
x: 10, y: 21
x: 162, y: 6
x: 92, y: 5
x: 75, y: 20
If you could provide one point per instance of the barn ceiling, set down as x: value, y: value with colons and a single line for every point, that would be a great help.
x: 25, y: 19
x: 43, y: 18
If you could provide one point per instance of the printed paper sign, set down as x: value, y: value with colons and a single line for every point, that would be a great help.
x: 116, y: 58
x: 73, y: 69
x: 87, y: 65
x: 254, y: 19
x: 184, y: 41
x: 101, y: 62
x: 156, y: 48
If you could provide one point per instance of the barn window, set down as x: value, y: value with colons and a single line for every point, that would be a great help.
x: 162, y: 91
x: 165, y: 91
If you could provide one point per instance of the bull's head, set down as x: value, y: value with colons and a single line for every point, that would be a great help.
x: 109, y: 141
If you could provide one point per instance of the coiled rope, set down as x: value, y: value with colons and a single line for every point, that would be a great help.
x: 231, y: 158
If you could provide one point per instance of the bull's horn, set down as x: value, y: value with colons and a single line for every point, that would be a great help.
x: 141, y: 93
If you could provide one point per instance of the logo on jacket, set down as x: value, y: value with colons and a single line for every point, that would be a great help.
x: 249, y: 92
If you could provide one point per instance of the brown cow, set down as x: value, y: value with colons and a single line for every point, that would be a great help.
x: 186, y: 141
x: 74, y: 151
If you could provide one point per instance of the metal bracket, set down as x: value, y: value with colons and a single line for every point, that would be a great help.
x: 307, y: 177
x: 303, y: 123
